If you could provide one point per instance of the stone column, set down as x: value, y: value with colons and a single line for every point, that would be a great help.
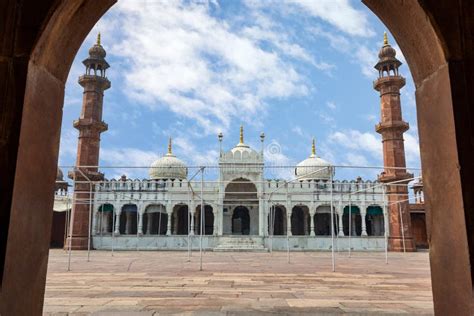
x: 117, y: 224
x: 288, y: 220
x: 214, y: 229
x: 311, y: 214
x: 305, y: 222
x: 149, y: 223
x: 261, y: 217
x: 94, y: 223
x: 341, y: 222
x: 169, y: 211
x: 193, y: 214
x: 363, y: 213
x: 140, y: 224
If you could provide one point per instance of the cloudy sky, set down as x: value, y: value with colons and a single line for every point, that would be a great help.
x: 294, y: 69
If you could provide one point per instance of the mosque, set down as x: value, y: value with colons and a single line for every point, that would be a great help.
x: 240, y: 203
x: 241, y: 208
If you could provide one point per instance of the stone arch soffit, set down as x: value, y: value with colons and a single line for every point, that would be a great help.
x: 325, y: 208
x: 105, y: 207
x: 239, y: 180
x: 148, y: 206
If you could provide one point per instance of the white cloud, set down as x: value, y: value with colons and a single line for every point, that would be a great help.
x: 338, y: 13
x: 326, y: 118
x: 367, y: 58
x: 336, y: 41
x: 412, y: 149
x: 331, y: 105
x: 356, y: 160
x: 277, y: 162
x: 358, y: 141
x: 298, y: 130
x: 179, y: 57
x: 68, y: 146
x: 370, y: 117
x: 362, y: 144
x: 132, y: 162
x: 195, y: 156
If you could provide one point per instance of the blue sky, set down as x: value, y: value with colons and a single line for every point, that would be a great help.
x: 294, y: 69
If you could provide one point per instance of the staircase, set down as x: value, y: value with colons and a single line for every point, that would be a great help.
x: 240, y: 243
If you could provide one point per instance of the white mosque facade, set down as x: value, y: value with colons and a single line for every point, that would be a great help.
x: 241, y: 209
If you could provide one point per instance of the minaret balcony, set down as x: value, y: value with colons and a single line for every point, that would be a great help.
x: 85, y: 174
x: 394, y: 175
x: 381, y: 82
x: 103, y: 82
x: 84, y: 123
x: 391, y: 125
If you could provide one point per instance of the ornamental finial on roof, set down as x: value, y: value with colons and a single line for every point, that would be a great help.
x: 241, y: 134
x: 313, y: 148
x: 98, y: 39
x: 170, y: 151
x: 385, y: 38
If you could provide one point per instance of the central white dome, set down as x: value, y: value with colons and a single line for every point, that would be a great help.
x: 168, y: 167
x: 314, y: 168
x: 242, y: 151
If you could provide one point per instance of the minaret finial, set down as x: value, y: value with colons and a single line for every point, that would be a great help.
x: 241, y: 134
x: 313, y: 148
x: 170, y: 150
x: 385, y: 38
x: 98, y: 39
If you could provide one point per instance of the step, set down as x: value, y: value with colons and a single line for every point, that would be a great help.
x: 239, y: 243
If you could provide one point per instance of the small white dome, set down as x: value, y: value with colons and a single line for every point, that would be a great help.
x: 168, y: 167
x: 314, y: 168
x: 242, y: 151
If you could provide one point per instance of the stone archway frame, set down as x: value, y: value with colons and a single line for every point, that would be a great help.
x: 384, y: 215
x: 337, y: 215
x: 285, y: 217
x: 302, y: 206
x: 436, y: 59
x: 215, y: 212
x: 143, y: 210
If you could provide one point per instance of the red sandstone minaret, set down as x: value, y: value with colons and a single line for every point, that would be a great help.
x: 90, y: 126
x: 392, y: 128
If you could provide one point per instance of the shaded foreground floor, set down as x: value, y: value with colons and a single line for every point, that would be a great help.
x: 163, y: 283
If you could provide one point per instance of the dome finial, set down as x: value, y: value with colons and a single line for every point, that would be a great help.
x: 98, y: 38
x: 385, y: 38
x: 170, y: 151
x: 241, y: 134
x: 313, y: 148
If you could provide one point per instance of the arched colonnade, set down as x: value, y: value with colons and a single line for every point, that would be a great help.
x: 153, y: 219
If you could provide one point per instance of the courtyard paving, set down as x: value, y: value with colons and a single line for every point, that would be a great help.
x: 238, y: 283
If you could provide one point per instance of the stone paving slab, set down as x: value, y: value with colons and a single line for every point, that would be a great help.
x: 166, y: 283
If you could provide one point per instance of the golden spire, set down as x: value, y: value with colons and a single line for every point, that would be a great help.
x: 241, y: 134
x: 385, y: 38
x: 313, y: 148
x: 98, y: 39
x: 170, y: 152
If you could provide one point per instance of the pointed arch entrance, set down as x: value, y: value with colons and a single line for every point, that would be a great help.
x: 241, y: 207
